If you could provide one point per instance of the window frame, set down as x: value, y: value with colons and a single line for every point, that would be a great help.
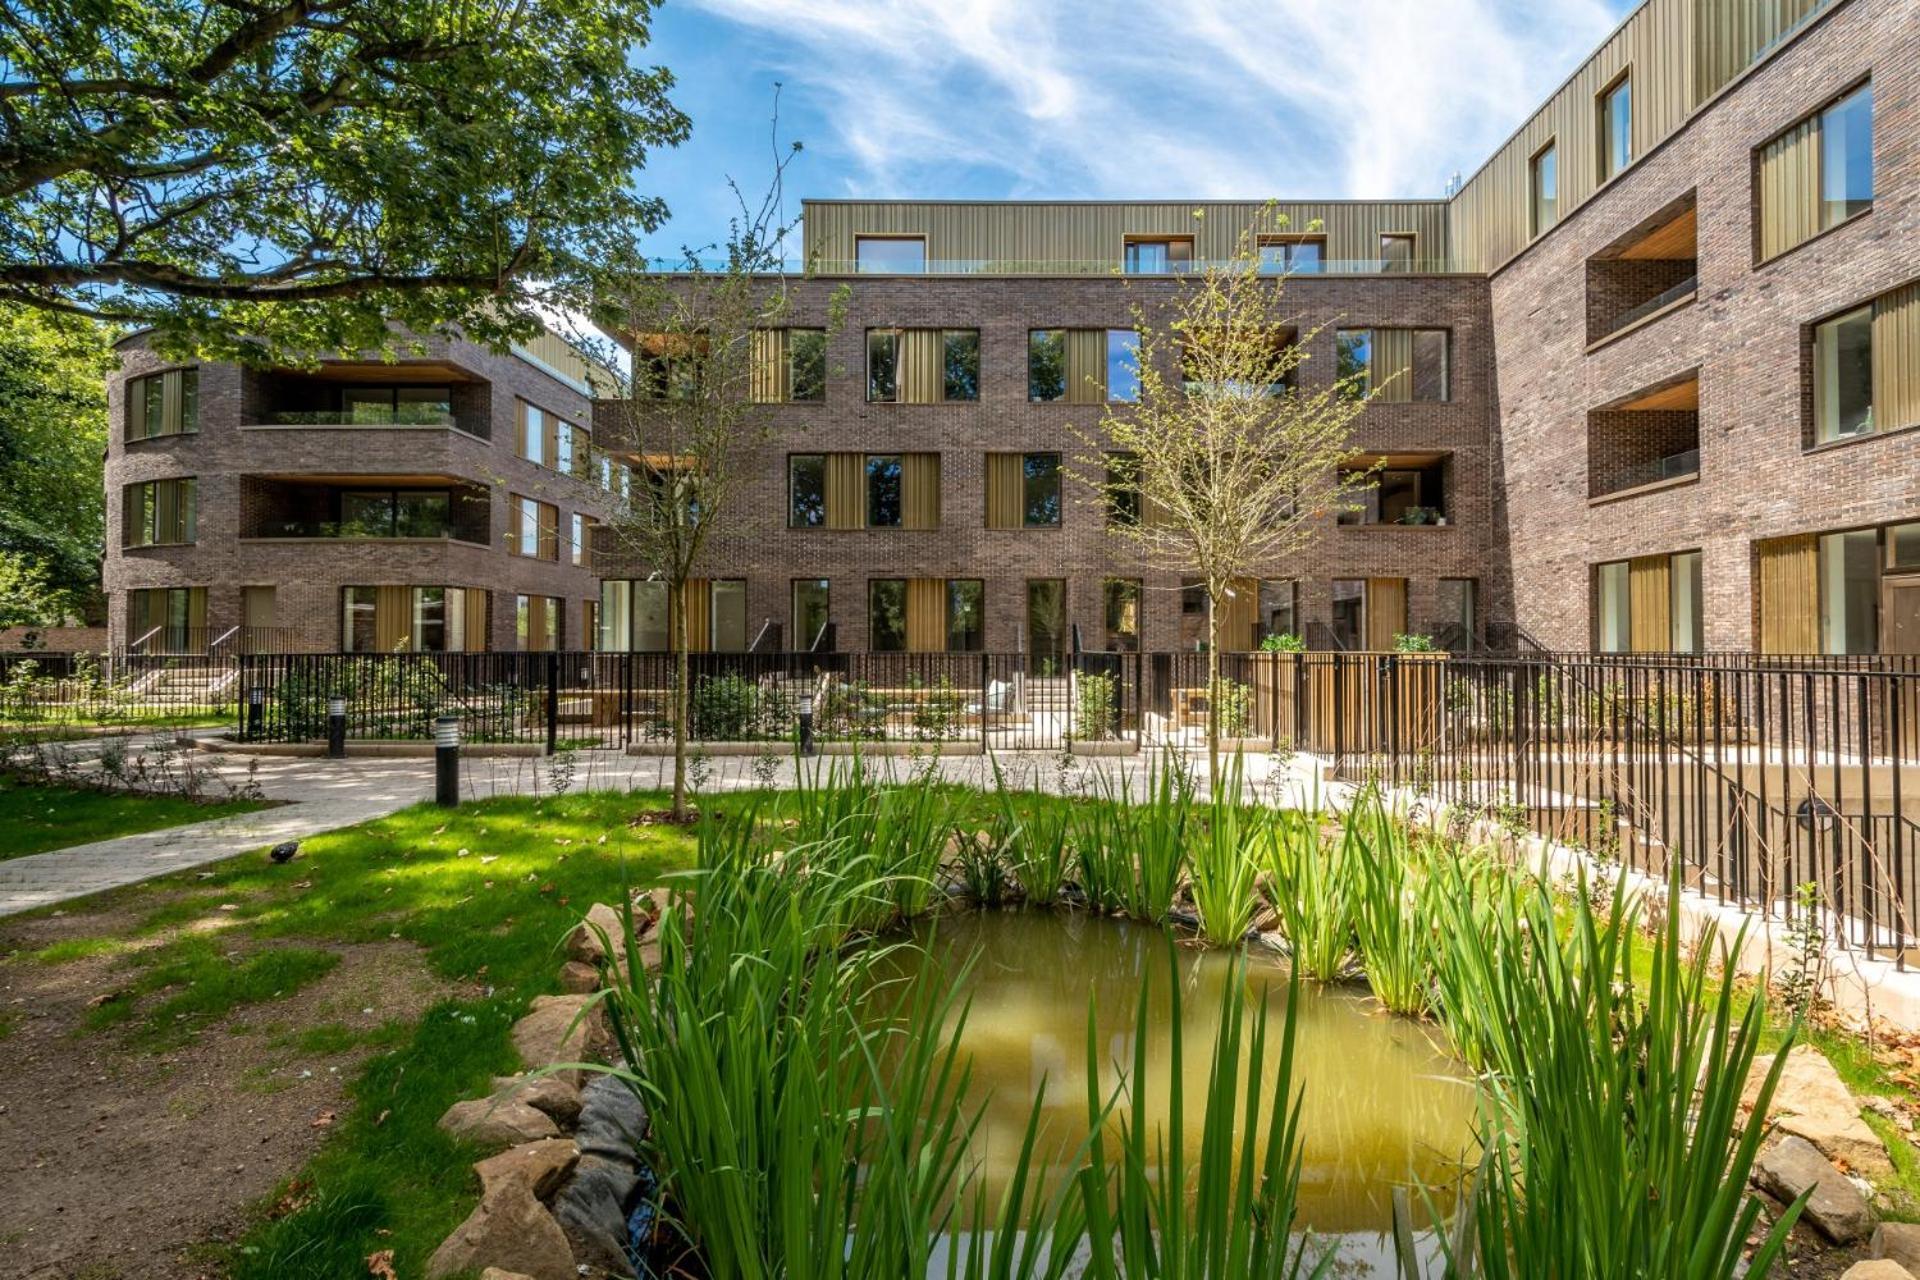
x: 799, y: 641
x: 1810, y: 435
x: 792, y: 507
x: 1550, y: 151
x: 860, y: 237
x: 1174, y: 265
x: 133, y: 387
x: 1290, y: 241
x: 1603, y: 126
x: 1411, y: 240
x: 1027, y: 480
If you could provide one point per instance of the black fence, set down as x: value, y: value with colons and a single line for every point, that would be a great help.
x: 39, y: 688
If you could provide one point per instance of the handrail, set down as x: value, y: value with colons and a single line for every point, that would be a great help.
x: 139, y: 645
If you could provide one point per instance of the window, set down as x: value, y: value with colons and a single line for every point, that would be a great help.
x: 1843, y: 376
x: 1683, y: 606
x: 1123, y: 489
x: 1302, y: 255
x: 960, y: 351
x: 395, y: 513
x: 887, y: 615
x: 728, y: 605
x: 1396, y: 253
x: 1611, y: 620
x: 1903, y: 546
x: 1405, y: 495
x: 163, y: 404
x: 582, y: 537
x: 1849, y: 567
x: 367, y: 406
x: 401, y: 619
x: 1394, y: 365
x: 1047, y: 365
x: 1616, y: 128
x: 1279, y: 608
x: 573, y: 452
x: 1350, y: 612
x: 1846, y: 158
x: 890, y: 255
x: 1123, y: 366
x: 1046, y: 623
x: 1159, y: 255
x: 1431, y: 376
x: 536, y: 623
x: 430, y: 619
x: 357, y: 611
x: 807, y: 491
x: 1041, y: 473
x: 966, y: 615
x: 811, y: 612
x: 883, y: 366
x: 536, y: 528
x: 159, y: 513
x: 883, y: 491
x: 168, y: 619
x: 1457, y: 611
x: 807, y: 364
x: 550, y: 441
x: 1650, y: 604
x: 1120, y: 608
x: 1353, y: 359
x: 1543, y: 177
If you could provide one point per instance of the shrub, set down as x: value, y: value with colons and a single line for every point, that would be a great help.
x: 1282, y: 642
x: 1096, y: 711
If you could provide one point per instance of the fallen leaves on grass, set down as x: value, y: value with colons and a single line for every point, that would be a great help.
x: 381, y: 1265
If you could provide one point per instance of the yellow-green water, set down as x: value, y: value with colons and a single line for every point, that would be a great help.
x: 1384, y: 1104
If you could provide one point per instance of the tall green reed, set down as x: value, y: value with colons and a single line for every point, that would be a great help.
x: 1313, y: 893
x: 1226, y: 863
x: 1136, y: 854
x: 1396, y: 943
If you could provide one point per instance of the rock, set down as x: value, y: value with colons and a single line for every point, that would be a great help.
x: 1836, y: 1207
x: 612, y: 1120
x: 1898, y: 1242
x: 495, y: 1273
x: 560, y: 1029
x: 650, y: 953
x: 578, y: 977
x: 557, y: 1097
x: 1266, y: 921
x: 497, y: 1122
x: 1879, y: 1269
x: 586, y: 944
x: 541, y: 1167
x: 511, y: 1231
x: 592, y: 1209
x: 1811, y: 1102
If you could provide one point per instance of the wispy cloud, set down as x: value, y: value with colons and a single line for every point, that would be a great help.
x: 1354, y: 98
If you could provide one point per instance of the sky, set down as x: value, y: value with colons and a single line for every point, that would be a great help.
x: 1076, y: 99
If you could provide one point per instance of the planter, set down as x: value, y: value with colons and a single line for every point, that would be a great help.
x: 1105, y: 747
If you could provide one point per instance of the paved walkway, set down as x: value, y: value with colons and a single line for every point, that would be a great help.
x: 323, y: 795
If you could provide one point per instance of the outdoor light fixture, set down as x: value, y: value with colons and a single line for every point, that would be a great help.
x: 336, y: 728
x: 446, y: 758
x: 806, y: 725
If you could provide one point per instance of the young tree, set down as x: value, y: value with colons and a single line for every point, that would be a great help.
x: 1224, y: 465
x: 289, y: 176
x: 678, y: 392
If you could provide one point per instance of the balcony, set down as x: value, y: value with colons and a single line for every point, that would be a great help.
x: 1407, y: 490
x: 1648, y: 440
x: 359, y: 396
x: 371, y: 508
x: 834, y: 267
x: 1649, y: 271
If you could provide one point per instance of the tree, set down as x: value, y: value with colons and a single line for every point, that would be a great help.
x: 677, y: 383
x: 253, y: 178
x: 1222, y: 465
x: 53, y: 436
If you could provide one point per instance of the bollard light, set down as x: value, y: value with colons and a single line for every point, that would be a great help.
x: 256, y: 711
x: 446, y: 760
x: 806, y: 725
x: 336, y: 728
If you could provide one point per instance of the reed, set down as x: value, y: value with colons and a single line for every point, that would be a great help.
x: 1313, y: 893
x: 1395, y: 943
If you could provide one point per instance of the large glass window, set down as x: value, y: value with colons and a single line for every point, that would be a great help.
x: 1431, y: 380
x: 1123, y: 488
x: 1353, y: 360
x: 1683, y: 606
x: 887, y: 615
x: 1613, y: 619
x: 1850, y: 592
x: 1616, y: 128
x: 960, y: 352
x: 1047, y: 365
x: 163, y: 404
x: 883, y: 365
x: 1843, y: 376
x: 357, y: 633
x: 396, y: 406
x: 1349, y: 619
x: 890, y: 255
x: 1279, y: 608
x: 430, y: 619
x: 807, y: 491
x: 807, y: 364
x: 1544, y: 185
x: 652, y: 615
x: 1041, y: 473
x: 1396, y: 253
x: 1846, y: 157
x: 966, y: 615
x: 1457, y: 609
x: 395, y: 513
x: 160, y: 513
x: 1120, y: 607
x: 1159, y: 256
x: 811, y: 600
x: 1303, y: 256
x: 729, y: 596
x: 883, y: 491
x: 1046, y: 623
x: 1123, y: 365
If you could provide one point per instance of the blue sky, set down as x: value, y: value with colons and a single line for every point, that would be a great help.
x: 1032, y: 99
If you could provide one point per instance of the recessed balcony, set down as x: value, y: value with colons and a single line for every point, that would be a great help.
x: 1649, y: 271
x: 354, y: 395
x: 1644, y: 441
x: 365, y: 508
x: 1407, y: 490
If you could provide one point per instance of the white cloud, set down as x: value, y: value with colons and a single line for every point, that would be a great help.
x: 1251, y: 98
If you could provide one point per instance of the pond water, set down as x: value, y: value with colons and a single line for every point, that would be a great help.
x: 1384, y: 1102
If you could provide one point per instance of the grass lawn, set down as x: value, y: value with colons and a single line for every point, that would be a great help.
x: 36, y: 818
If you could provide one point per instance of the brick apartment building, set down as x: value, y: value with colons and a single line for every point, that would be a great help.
x: 1649, y: 377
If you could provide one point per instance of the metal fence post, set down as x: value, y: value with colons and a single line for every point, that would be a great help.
x: 986, y: 706
x: 553, y: 701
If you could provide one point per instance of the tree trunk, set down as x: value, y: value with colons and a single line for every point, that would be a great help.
x: 679, y: 598
x: 1213, y: 690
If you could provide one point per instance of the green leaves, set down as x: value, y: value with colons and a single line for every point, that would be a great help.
x: 284, y: 180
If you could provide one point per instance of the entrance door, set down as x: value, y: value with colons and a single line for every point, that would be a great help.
x: 1900, y: 634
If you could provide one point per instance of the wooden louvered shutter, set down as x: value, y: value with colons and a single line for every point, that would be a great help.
x: 926, y: 615
x: 1790, y: 189
x: 1006, y: 491
x: 166, y: 511
x: 138, y: 428
x: 549, y: 517
x: 392, y: 618
x: 846, y: 491
x: 1086, y: 366
x: 920, y: 491
x: 1391, y: 371
x: 1649, y: 604
x: 771, y: 381
x: 170, y: 403
x: 1789, y: 595
x: 478, y: 641
x: 698, y: 603
x: 1238, y: 616
x: 1386, y: 611
x: 1896, y: 359
x: 922, y: 372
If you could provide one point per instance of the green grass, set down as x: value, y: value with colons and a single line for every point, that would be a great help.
x: 52, y: 722
x: 34, y: 819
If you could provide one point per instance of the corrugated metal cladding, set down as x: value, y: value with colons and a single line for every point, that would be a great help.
x: 1678, y: 54
x: 1066, y: 231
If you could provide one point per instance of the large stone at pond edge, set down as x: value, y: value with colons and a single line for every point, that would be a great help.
x: 497, y: 1122
x: 592, y: 1209
x: 510, y: 1230
x: 612, y: 1120
x: 585, y: 943
x: 578, y: 977
x: 541, y: 1167
x: 495, y: 1273
x: 1876, y: 1270
x: 1812, y: 1102
x: 1836, y: 1208
x: 557, y: 1097
x: 555, y: 1031
x: 1898, y: 1242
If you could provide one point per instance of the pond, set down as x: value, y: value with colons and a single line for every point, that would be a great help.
x: 1384, y: 1102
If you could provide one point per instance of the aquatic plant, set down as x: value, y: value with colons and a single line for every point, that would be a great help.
x: 1313, y: 893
